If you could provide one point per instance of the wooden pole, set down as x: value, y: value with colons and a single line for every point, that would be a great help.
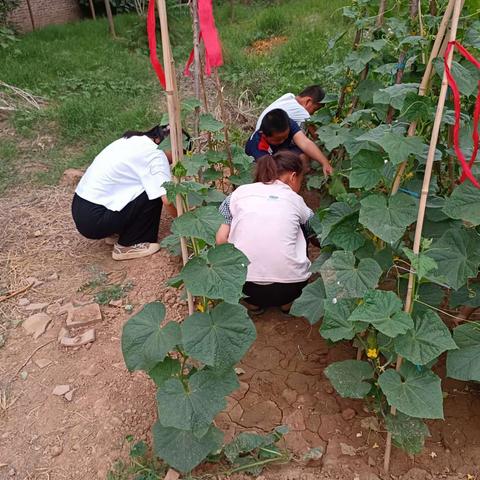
x: 30, y: 14
x: 110, y: 18
x: 422, y: 90
x: 92, y: 9
x: 424, y: 195
x: 197, y: 68
x: 381, y: 13
x: 173, y: 106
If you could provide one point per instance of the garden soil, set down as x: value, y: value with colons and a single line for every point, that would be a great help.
x: 80, y: 435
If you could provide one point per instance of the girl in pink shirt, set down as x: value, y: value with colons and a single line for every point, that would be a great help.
x: 266, y: 221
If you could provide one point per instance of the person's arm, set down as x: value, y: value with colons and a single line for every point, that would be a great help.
x: 224, y: 230
x: 313, y: 152
x: 169, y: 207
x: 222, y: 234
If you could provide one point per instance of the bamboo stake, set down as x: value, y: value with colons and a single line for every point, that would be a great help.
x: 422, y: 90
x: 92, y: 9
x: 110, y: 18
x: 196, y: 65
x: 381, y: 13
x: 30, y: 14
x: 424, y: 195
x: 173, y: 105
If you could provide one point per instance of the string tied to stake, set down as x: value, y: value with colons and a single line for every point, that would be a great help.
x: 466, y: 165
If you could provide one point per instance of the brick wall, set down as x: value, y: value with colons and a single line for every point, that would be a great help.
x: 45, y: 12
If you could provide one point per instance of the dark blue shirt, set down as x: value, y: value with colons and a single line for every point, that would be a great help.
x: 257, y: 146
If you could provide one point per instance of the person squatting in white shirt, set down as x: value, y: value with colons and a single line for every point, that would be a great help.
x: 266, y: 220
x: 122, y: 193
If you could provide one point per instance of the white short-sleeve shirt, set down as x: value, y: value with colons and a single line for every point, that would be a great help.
x: 124, y: 170
x: 265, y: 226
x: 289, y: 104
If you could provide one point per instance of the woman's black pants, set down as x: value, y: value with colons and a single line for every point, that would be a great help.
x: 272, y: 295
x: 137, y: 222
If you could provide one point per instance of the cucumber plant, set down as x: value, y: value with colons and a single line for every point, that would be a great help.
x: 366, y: 231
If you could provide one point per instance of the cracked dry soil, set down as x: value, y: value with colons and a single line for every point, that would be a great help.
x: 43, y: 436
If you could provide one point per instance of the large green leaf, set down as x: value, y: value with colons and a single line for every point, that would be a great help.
x: 466, y: 80
x: 332, y: 216
x: 399, y: 148
x: 464, y: 204
x: 383, y: 310
x: 219, y: 276
x: 414, y: 392
x: 426, y: 341
x: 332, y: 136
x: 193, y: 405
x: 408, y: 433
x: 421, y: 263
x: 457, y: 254
x: 193, y: 163
x: 395, y: 94
x: 344, y: 235
x: 367, y: 167
x: 344, y: 279
x: 357, y: 59
x: 464, y: 363
x: 468, y: 295
x: 209, y: 124
x: 336, y: 324
x: 350, y: 378
x: 310, y: 302
x: 220, y: 337
x: 387, y: 217
x: 144, y: 343
x: 165, y: 370
x: 181, y: 449
x: 201, y: 223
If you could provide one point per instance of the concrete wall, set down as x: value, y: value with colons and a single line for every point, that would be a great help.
x: 44, y: 12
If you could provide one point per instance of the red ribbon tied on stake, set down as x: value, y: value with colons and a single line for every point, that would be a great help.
x: 211, y: 40
x: 152, y: 43
x: 466, y: 166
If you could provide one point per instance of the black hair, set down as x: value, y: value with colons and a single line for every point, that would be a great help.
x: 275, y: 121
x: 158, y: 131
x: 270, y: 167
x: 315, y: 92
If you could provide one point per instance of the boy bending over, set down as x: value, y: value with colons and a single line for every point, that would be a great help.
x: 279, y: 132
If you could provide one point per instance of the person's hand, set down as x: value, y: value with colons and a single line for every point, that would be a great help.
x: 327, y: 169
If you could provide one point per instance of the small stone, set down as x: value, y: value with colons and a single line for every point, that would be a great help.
x: 329, y: 389
x: 53, y: 277
x: 23, y: 375
x: 314, y: 454
x: 12, y: 472
x: 23, y: 302
x: 370, y: 423
x: 172, y: 475
x: 348, y: 450
x: 239, y: 371
x: 36, y: 324
x: 69, y: 396
x: 61, y: 390
x: 83, y: 339
x: 42, y: 362
x: 116, y: 303
x: 84, y: 315
x: 348, y: 414
x: 55, y: 451
x: 371, y: 462
x: 37, y: 233
x: 36, y: 307
x: 34, y: 281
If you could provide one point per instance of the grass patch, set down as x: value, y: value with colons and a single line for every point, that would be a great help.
x: 98, y: 87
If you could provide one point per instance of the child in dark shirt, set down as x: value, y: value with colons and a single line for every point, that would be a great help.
x: 279, y: 132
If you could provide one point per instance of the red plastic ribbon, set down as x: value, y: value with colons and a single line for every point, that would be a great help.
x: 209, y: 35
x: 466, y: 166
x: 152, y: 43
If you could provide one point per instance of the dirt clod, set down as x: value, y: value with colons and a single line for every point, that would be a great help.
x: 37, y: 324
x: 42, y: 362
x: 71, y: 176
x: 33, y: 307
x: 349, y: 413
x: 60, y: 390
x: 83, y: 316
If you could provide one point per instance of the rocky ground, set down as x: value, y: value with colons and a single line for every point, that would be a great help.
x: 66, y: 410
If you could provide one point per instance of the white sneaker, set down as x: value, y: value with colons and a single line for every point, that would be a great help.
x: 138, y: 250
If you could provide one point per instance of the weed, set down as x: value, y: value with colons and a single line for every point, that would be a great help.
x: 8, y: 152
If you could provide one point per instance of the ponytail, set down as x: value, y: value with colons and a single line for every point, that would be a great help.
x: 156, y: 132
x: 270, y: 167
